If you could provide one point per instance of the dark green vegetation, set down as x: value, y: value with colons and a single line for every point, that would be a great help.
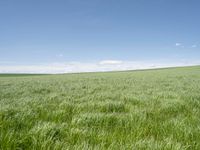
x: 153, y: 109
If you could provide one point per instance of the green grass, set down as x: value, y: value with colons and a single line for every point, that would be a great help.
x: 153, y: 109
x: 19, y: 75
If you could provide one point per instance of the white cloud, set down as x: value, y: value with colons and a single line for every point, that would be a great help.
x: 194, y: 46
x: 105, y: 65
x: 178, y: 44
x: 182, y: 46
x: 110, y: 62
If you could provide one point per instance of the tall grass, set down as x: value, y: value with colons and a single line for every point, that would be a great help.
x: 153, y: 109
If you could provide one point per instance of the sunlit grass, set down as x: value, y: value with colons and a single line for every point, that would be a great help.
x: 153, y: 109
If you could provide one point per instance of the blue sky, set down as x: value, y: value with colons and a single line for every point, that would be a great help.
x: 105, y: 34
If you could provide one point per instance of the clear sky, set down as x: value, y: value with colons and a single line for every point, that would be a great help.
x: 97, y: 35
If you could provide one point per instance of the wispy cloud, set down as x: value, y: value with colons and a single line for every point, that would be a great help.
x: 105, y: 65
x: 110, y: 62
x: 178, y: 44
x: 194, y: 46
x: 182, y: 45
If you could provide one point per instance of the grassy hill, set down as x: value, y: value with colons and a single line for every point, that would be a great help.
x: 152, y: 109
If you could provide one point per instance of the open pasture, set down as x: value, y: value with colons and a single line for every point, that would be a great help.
x: 152, y: 109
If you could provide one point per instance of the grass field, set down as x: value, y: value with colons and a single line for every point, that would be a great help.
x: 152, y: 109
